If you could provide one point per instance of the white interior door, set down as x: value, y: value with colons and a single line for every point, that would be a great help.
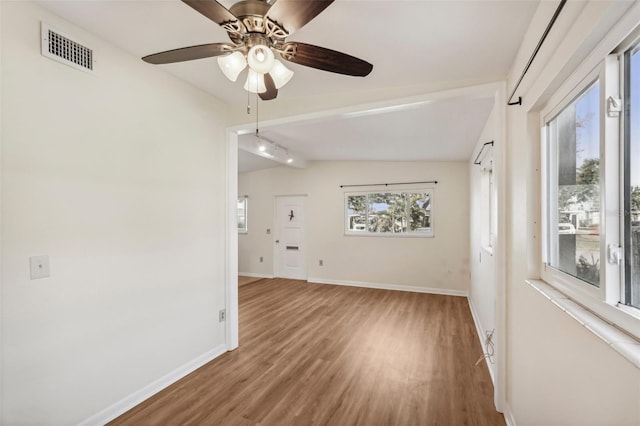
x: 290, y: 250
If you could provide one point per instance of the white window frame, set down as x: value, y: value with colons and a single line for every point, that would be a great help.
x: 605, y: 300
x: 488, y: 202
x: 245, y: 201
x: 407, y: 234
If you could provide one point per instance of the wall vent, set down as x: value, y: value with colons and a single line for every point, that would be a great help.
x: 63, y: 48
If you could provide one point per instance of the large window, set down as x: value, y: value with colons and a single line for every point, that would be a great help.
x: 400, y: 213
x: 632, y: 176
x: 591, y: 146
x: 574, y: 187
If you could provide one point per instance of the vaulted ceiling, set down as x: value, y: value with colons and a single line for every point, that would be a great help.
x: 414, y: 46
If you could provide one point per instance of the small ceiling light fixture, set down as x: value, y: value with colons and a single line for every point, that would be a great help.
x: 259, y: 30
x: 232, y: 65
x: 280, y: 74
x: 261, y: 61
x: 255, y: 82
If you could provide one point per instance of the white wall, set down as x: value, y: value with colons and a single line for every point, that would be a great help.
x: 482, y: 288
x: 558, y: 372
x: 117, y: 177
x: 440, y: 263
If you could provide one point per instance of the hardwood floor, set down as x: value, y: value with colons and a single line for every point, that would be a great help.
x: 242, y: 280
x: 315, y: 354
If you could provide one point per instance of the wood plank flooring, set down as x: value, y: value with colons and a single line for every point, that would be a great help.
x: 243, y: 280
x: 315, y: 354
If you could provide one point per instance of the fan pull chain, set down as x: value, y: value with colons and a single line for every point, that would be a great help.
x: 257, y: 114
x: 248, y: 102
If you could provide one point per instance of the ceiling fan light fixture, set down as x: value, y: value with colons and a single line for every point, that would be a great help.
x: 280, y: 74
x: 255, y: 82
x: 260, y: 59
x: 232, y: 65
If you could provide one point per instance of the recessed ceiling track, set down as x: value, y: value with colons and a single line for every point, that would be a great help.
x: 535, y: 52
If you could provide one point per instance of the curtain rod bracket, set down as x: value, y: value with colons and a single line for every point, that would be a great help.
x: 518, y: 102
x: 476, y: 162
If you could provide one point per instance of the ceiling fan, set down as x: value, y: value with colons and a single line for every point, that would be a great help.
x: 257, y: 29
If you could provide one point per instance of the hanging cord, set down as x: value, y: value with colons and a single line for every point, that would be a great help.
x: 488, y: 343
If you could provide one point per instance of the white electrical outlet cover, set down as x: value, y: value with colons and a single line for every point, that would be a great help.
x: 39, y: 267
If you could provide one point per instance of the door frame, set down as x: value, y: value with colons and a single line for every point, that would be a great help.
x: 231, y: 270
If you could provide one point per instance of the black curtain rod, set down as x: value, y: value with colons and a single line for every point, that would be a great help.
x: 535, y: 52
x: 476, y: 162
x: 387, y: 184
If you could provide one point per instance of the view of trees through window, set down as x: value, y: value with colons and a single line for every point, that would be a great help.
x: 389, y: 212
x: 632, y: 169
x: 574, y: 149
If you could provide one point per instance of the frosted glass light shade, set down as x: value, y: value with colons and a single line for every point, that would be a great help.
x: 255, y: 82
x: 280, y: 74
x: 260, y: 59
x: 232, y: 65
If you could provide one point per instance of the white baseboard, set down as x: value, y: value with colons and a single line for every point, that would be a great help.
x: 481, y: 336
x: 508, y: 416
x: 444, y: 291
x: 151, y: 389
x: 254, y: 275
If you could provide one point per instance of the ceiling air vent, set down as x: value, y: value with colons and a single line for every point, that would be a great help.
x: 62, y: 48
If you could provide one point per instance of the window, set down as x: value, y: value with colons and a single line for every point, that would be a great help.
x: 574, y: 188
x: 242, y: 214
x: 632, y: 176
x: 488, y: 202
x: 591, y: 188
x: 401, y: 213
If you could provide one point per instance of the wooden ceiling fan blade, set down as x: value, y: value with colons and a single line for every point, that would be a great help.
x: 326, y: 59
x: 292, y: 15
x: 217, y: 13
x: 189, y: 53
x: 271, y: 92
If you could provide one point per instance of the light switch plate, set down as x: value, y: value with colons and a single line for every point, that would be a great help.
x: 39, y: 267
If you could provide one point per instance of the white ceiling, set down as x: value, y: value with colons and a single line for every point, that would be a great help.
x: 411, y: 43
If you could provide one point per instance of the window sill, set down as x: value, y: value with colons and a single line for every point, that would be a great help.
x: 619, y: 341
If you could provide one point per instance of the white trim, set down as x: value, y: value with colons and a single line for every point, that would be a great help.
x: 625, y: 344
x: 396, y: 287
x: 255, y: 275
x: 508, y: 415
x: 481, y: 337
x: 127, y: 403
x: 500, y: 249
x: 231, y: 269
